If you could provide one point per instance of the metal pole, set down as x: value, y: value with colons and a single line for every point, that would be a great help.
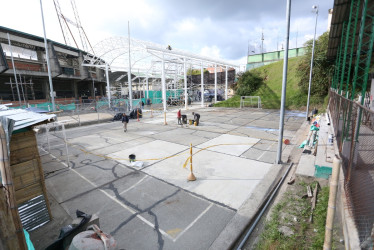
x: 202, y: 84
x: 147, y: 86
x: 107, y: 83
x: 11, y: 87
x: 311, y: 63
x: 163, y: 83
x: 129, y: 73
x: 284, y: 85
x: 14, y: 71
x: 215, y: 83
x: 226, y: 83
x: 185, y: 83
x: 47, y: 57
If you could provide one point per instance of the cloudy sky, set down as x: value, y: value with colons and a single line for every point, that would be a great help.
x: 214, y: 28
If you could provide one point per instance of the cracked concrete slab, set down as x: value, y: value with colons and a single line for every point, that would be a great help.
x: 236, y: 145
x: 154, y: 207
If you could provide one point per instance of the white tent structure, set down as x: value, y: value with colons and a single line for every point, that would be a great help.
x: 150, y: 60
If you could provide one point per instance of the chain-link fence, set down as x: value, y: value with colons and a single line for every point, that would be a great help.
x: 354, y: 131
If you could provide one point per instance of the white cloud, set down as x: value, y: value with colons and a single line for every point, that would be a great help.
x: 213, y: 52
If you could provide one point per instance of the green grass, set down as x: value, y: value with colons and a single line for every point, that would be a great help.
x: 306, y: 235
x: 233, y: 102
x: 270, y: 92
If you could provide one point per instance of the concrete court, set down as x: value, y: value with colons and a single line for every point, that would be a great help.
x: 154, y: 207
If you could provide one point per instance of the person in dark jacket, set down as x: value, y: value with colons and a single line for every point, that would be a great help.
x: 196, y: 118
x: 125, y: 120
x: 179, y: 116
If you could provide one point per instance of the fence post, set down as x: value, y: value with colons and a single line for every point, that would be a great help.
x: 332, y: 202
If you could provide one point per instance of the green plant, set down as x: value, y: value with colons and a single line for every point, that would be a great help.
x: 322, y: 67
x: 248, y: 83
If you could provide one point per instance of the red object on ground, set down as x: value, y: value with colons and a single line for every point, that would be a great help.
x: 286, y: 141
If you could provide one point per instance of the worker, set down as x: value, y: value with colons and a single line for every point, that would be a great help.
x: 125, y: 120
x: 196, y: 118
x: 179, y: 116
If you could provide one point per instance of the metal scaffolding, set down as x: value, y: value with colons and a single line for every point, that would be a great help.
x: 147, y: 59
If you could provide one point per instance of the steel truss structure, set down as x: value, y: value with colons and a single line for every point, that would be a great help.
x: 350, y: 80
x: 353, y: 58
x: 146, y: 60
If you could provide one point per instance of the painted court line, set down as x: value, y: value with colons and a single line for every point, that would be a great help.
x: 193, y: 222
x: 118, y: 201
x: 124, y: 206
x: 124, y: 191
x: 133, y: 211
x: 265, y: 151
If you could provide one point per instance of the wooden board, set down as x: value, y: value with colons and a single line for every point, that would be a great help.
x: 25, y: 174
x: 27, y: 171
x: 29, y: 192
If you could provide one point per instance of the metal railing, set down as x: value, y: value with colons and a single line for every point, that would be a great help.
x: 354, y: 132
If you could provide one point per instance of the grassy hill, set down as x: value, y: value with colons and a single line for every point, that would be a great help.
x: 270, y: 91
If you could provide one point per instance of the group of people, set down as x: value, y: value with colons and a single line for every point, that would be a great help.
x: 196, y: 118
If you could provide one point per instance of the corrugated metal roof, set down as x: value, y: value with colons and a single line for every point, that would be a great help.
x: 23, y: 118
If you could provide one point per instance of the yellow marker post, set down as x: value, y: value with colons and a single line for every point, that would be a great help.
x: 191, y: 176
x: 165, y: 123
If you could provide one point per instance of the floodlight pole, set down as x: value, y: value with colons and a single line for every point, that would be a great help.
x: 47, y: 57
x: 215, y: 83
x: 107, y: 83
x: 15, y: 74
x: 163, y: 83
x: 202, y: 83
x: 129, y: 73
x: 147, y: 86
x: 185, y: 83
x: 311, y: 63
x: 284, y: 85
x: 226, y: 82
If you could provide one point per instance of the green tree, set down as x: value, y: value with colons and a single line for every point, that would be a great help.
x: 191, y: 71
x: 322, y: 67
x: 248, y: 83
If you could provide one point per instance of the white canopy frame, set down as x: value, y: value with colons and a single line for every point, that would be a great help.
x: 146, y: 59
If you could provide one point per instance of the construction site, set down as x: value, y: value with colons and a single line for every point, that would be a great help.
x: 119, y: 144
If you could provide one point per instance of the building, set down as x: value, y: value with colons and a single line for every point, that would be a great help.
x: 70, y: 79
x: 258, y: 60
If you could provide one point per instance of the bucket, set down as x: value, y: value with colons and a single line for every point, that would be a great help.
x: 195, y: 123
x: 132, y: 157
x: 190, y: 122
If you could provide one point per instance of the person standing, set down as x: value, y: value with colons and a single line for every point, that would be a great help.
x: 125, y: 120
x: 179, y: 116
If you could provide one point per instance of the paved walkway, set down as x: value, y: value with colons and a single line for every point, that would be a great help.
x: 153, y: 206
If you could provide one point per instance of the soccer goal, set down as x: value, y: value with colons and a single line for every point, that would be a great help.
x: 250, y: 101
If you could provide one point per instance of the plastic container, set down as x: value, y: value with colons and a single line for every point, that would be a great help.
x: 132, y: 157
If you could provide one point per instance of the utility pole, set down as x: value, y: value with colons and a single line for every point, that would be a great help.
x: 129, y: 73
x: 284, y: 85
x: 262, y: 44
x: 315, y: 8
x: 48, y: 64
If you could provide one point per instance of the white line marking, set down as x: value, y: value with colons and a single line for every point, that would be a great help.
x: 124, y: 206
x: 134, y: 185
x: 118, y: 201
x: 193, y: 222
x: 133, y: 211
x: 265, y: 151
